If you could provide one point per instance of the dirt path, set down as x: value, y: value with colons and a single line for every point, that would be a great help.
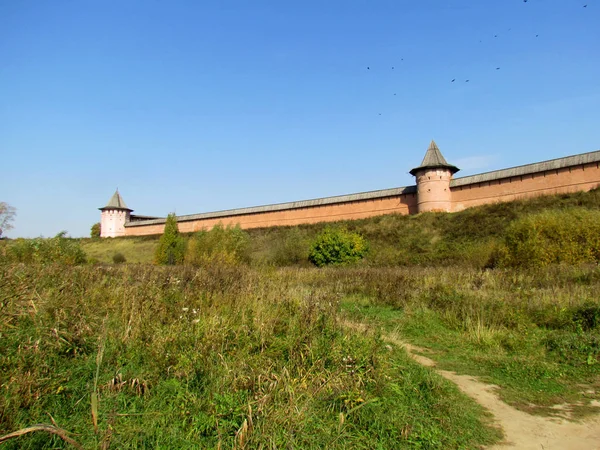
x: 521, y: 430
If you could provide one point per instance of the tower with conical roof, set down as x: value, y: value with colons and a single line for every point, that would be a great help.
x: 433, y: 181
x: 114, y: 216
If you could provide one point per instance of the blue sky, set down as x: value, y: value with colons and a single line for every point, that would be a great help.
x: 191, y: 106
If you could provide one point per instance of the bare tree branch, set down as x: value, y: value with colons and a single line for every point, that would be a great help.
x: 42, y: 427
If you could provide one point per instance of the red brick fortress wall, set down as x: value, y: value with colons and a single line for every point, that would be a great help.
x: 359, y: 209
x: 582, y: 177
x: 570, y: 174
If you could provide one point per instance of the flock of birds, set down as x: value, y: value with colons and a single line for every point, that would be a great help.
x: 467, y: 80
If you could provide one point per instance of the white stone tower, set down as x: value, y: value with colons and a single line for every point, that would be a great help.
x: 114, y: 216
x: 433, y: 181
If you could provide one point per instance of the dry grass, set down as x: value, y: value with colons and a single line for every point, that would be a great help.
x: 224, y: 356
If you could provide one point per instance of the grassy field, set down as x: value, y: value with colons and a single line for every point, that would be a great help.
x: 535, y: 333
x: 211, y: 358
x: 266, y: 351
x: 135, y: 250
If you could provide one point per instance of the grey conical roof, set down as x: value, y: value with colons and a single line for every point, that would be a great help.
x: 116, y: 202
x: 434, y: 159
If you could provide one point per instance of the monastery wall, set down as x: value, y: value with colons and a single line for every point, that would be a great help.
x: 438, y: 191
x: 513, y: 184
x: 311, y: 211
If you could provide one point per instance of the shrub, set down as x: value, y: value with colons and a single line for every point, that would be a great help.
x: 58, y: 249
x: 227, y: 245
x: 171, y: 246
x: 570, y: 236
x: 337, y: 246
x: 95, y: 230
x: 119, y: 258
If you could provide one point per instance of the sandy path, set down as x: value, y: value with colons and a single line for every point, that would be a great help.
x: 521, y: 430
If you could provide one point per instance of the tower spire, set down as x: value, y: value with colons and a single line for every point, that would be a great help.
x: 116, y: 202
x: 433, y: 160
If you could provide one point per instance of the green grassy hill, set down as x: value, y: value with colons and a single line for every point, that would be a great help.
x: 267, y: 351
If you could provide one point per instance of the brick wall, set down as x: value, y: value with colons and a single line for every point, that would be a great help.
x: 502, y: 186
x: 401, y: 204
x: 569, y: 179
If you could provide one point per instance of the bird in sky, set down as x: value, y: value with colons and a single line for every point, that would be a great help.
x: 453, y: 80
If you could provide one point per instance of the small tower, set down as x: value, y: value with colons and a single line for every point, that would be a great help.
x: 433, y: 181
x: 113, y: 217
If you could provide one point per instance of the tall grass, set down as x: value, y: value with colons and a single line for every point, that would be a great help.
x: 131, y: 356
x: 533, y: 332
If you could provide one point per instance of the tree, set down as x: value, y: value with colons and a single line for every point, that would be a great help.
x: 171, y: 247
x: 7, y: 215
x: 95, y: 233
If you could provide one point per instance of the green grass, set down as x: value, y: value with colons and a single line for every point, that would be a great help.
x: 253, y: 354
x: 534, y: 334
x: 207, y: 358
x: 135, y: 250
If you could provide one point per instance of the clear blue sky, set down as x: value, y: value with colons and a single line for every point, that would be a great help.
x: 192, y: 106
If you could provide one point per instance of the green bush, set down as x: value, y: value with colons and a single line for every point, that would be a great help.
x: 337, y: 246
x: 570, y: 236
x: 58, y: 249
x: 227, y: 245
x: 171, y: 246
x: 119, y: 258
